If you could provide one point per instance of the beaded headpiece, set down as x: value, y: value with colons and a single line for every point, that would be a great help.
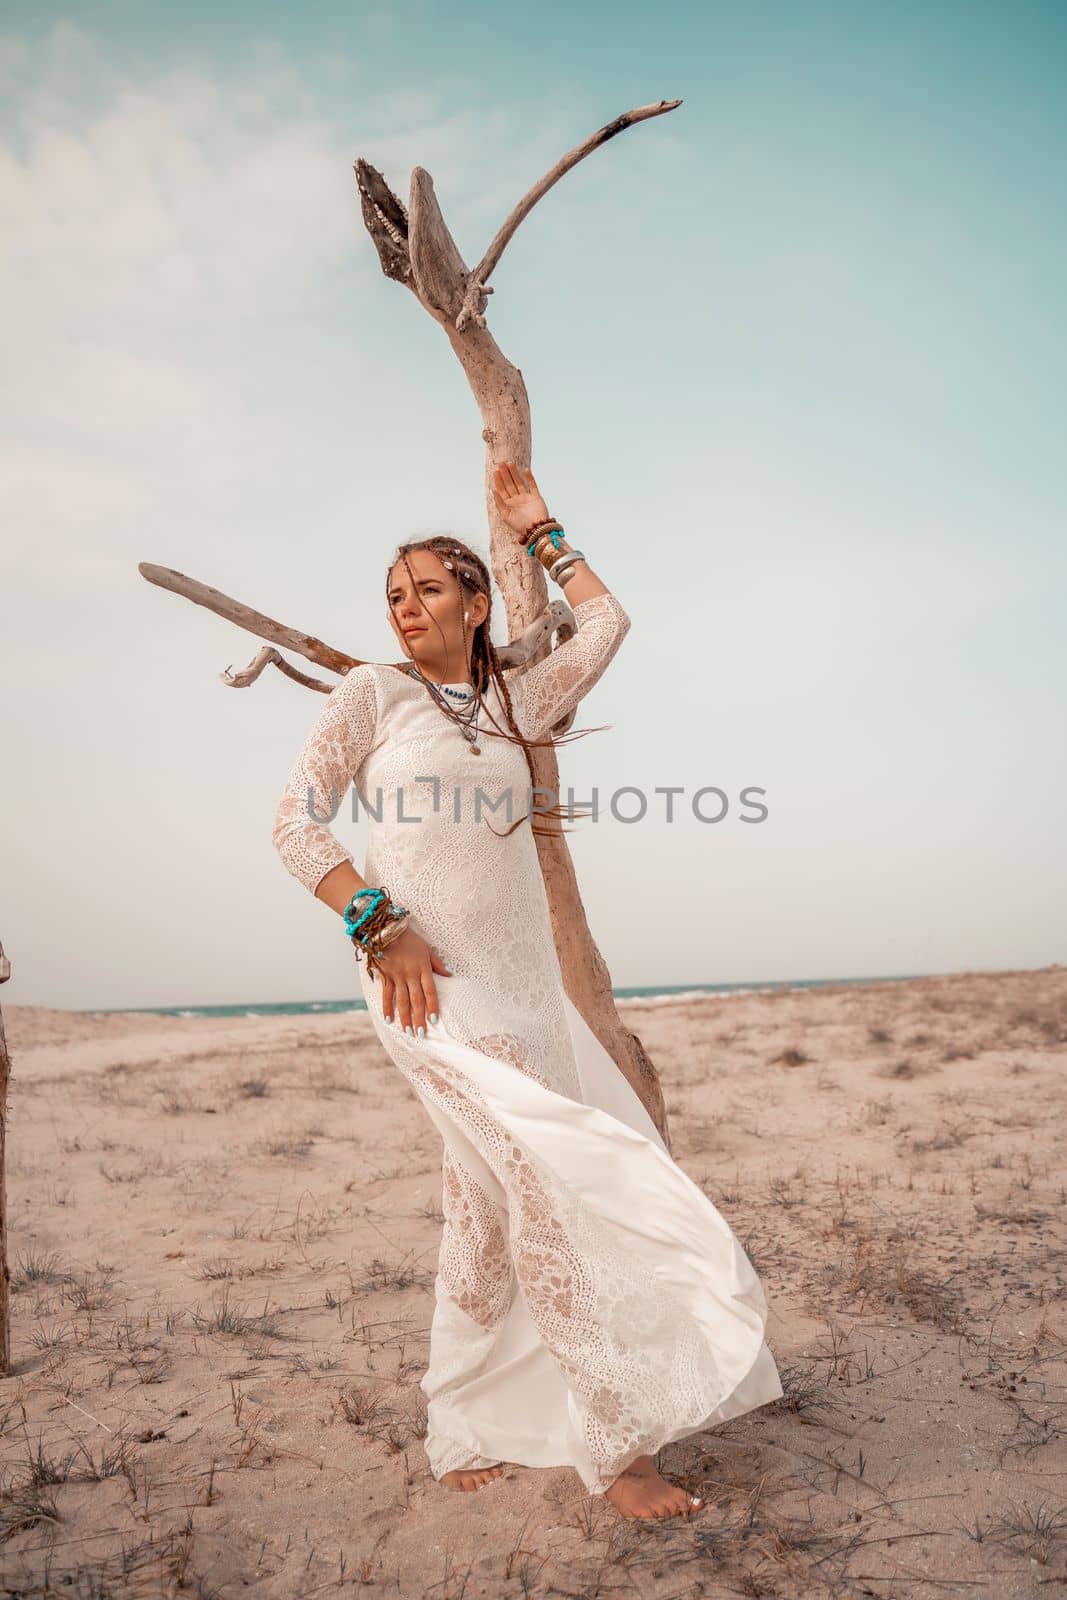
x: 464, y: 572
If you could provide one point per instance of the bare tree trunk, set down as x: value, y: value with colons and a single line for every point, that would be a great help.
x: 5, y: 1273
x: 418, y: 250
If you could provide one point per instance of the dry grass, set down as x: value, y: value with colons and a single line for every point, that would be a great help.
x: 271, y: 1435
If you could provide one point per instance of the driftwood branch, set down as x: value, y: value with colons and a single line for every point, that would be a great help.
x: 474, y: 298
x: 416, y: 248
x: 557, y: 618
x: 419, y: 250
x: 264, y: 627
x: 269, y: 657
x: 386, y: 220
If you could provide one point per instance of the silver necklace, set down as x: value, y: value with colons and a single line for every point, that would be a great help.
x: 460, y: 697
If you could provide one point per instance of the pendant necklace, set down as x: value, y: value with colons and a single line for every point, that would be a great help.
x: 463, y: 700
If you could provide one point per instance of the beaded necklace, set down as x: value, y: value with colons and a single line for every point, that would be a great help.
x: 460, y: 695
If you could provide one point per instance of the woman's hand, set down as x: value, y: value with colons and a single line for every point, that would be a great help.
x: 520, y: 504
x: 406, y: 969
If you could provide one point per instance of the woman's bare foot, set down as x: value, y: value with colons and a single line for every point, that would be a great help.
x: 471, y: 1477
x: 641, y: 1492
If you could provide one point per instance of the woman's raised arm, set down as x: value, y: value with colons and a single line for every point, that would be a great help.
x: 546, y: 692
x: 551, y: 688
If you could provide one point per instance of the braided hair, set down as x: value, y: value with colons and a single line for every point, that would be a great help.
x: 473, y: 578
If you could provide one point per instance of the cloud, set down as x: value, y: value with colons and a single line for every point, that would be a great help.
x: 150, y: 227
x: 167, y: 232
x: 172, y: 192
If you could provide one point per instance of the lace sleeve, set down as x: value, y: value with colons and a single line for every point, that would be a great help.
x: 551, y: 688
x: 334, y: 750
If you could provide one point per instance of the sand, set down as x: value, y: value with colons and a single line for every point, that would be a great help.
x: 222, y: 1240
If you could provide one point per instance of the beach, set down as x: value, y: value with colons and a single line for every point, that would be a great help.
x: 222, y: 1237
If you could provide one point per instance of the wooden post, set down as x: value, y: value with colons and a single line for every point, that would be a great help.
x: 5, y: 1274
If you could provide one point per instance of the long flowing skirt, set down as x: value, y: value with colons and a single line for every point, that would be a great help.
x: 591, y: 1303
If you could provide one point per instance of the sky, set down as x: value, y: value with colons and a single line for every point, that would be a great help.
x: 796, y: 361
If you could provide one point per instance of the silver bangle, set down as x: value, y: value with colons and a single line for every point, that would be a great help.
x: 564, y: 564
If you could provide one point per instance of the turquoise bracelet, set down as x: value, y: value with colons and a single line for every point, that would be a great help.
x: 352, y: 923
x: 555, y: 534
x: 375, y: 897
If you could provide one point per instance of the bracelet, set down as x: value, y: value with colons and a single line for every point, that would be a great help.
x: 381, y: 933
x: 376, y: 896
x: 542, y: 530
x: 546, y: 539
x: 374, y: 927
x: 371, y: 952
x: 564, y: 565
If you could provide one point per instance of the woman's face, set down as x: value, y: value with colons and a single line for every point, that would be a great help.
x: 427, y: 615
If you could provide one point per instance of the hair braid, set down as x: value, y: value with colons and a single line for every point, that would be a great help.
x: 473, y: 577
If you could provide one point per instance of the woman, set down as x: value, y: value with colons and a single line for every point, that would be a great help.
x: 591, y: 1304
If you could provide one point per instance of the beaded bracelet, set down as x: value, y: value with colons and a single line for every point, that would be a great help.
x: 380, y: 929
x: 541, y: 530
x: 375, y: 896
x: 374, y: 929
x: 559, y: 567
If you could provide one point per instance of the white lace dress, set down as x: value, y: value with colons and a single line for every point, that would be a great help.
x: 591, y: 1303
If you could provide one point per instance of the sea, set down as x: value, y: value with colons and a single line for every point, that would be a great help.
x: 649, y: 993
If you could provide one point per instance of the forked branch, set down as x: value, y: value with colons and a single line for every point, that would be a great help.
x: 419, y: 250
